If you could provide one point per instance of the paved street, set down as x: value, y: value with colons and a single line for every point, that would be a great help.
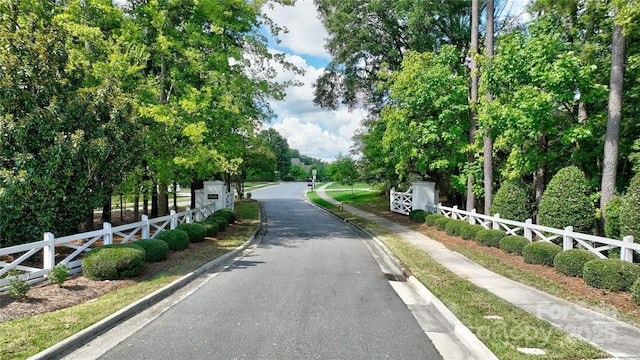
x: 310, y: 290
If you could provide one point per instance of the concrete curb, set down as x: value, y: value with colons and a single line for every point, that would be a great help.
x: 471, y: 342
x: 83, y: 337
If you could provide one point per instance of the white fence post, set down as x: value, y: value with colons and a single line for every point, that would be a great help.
x: 146, y: 228
x: 438, y: 209
x: 108, y: 237
x: 527, y: 229
x: 188, y: 215
x: 567, y: 240
x: 495, y: 225
x: 49, y: 252
x: 472, y: 217
x: 626, y: 254
x: 174, y: 220
x: 454, y: 213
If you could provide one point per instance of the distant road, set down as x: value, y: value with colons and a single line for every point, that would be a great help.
x: 310, y: 290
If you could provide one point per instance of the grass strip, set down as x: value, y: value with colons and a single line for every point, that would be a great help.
x: 471, y: 304
x: 22, y: 338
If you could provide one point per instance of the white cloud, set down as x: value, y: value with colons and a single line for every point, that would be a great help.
x: 311, y: 140
x: 306, y: 34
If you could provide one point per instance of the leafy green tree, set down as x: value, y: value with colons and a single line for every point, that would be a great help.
x: 426, y: 122
x: 345, y: 171
x: 566, y: 202
x: 280, y: 148
x: 513, y: 201
x: 67, y: 121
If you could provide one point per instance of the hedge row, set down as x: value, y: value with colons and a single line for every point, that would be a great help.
x: 611, y: 274
x: 121, y: 261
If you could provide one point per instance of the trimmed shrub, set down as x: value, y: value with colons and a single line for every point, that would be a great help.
x: 432, y: 218
x: 442, y: 222
x: 514, y: 201
x: 571, y: 262
x: 490, y: 237
x: 220, y: 220
x: 611, y: 274
x: 113, y: 262
x: 176, y: 239
x: 196, y: 232
x: 613, y: 220
x: 418, y: 215
x: 226, y: 214
x: 630, y: 222
x: 453, y: 227
x: 211, y: 226
x: 540, y: 252
x: 635, y: 291
x: 513, y: 244
x: 469, y: 232
x: 155, y: 250
x: 566, y: 202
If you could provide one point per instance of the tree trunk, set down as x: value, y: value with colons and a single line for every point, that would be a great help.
x: 136, y: 208
x: 540, y: 177
x: 612, y: 137
x: 106, y: 211
x: 488, y: 141
x: 154, y: 200
x: 163, y: 199
x: 473, y: 100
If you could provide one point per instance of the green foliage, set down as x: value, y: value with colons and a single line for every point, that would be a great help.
x: 219, y: 219
x: 196, y: 231
x: 418, y: 215
x: 176, y: 239
x: 611, y: 274
x: 155, y: 250
x: 19, y: 289
x: 571, y: 262
x: 228, y: 214
x: 540, y: 252
x: 453, y: 227
x: 514, y: 244
x: 113, y: 262
x: 490, y: 237
x: 345, y: 171
x: 469, y: 232
x: 566, y: 202
x: 630, y: 221
x: 59, y: 274
x: 211, y: 226
x: 441, y: 223
x: 635, y: 291
x: 513, y: 201
x: 613, y: 217
x: 431, y: 219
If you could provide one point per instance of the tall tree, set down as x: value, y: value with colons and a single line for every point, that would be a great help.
x: 488, y: 141
x: 475, y: 23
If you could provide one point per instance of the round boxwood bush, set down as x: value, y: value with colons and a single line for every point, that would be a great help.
x: 220, y: 220
x: 489, y: 237
x: 635, y: 291
x: 418, y: 215
x: 441, y: 223
x: 469, y: 232
x: 113, y: 262
x: 612, y: 274
x: 566, y: 202
x: 613, y: 219
x: 571, y: 262
x: 630, y: 222
x: 230, y: 214
x: 513, y: 201
x: 453, y: 227
x: 513, y: 244
x: 432, y: 218
x: 155, y: 250
x: 176, y: 239
x: 211, y: 226
x: 540, y: 253
x: 196, y: 231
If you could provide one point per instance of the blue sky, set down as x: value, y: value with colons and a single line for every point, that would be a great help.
x: 316, y: 132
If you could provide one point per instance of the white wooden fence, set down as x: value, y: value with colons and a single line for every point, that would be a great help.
x: 81, y: 243
x: 569, y: 238
x: 401, y: 202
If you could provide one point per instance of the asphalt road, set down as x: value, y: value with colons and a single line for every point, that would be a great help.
x: 310, y: 290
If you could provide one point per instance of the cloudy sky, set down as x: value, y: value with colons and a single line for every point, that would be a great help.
x: 315, y: 132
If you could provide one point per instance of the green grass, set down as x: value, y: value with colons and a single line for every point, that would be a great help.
x: 471, y: 304
x: 25, y: 337
x: 337, y: 185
